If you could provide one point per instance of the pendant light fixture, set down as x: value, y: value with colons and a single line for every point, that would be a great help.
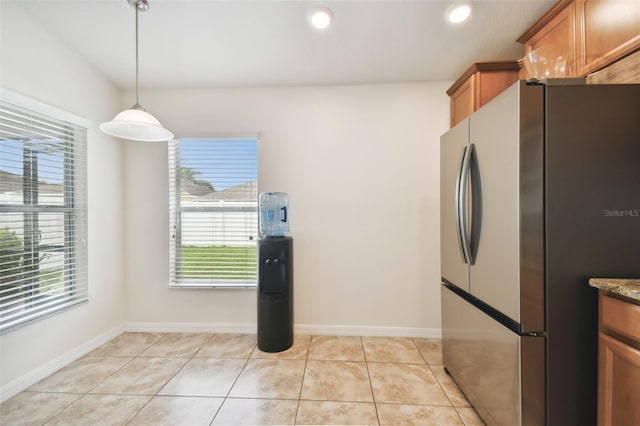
x: 135, y: 123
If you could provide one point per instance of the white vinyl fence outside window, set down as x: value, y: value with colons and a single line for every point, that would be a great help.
x: 43, y: 210
x: 213, y: 212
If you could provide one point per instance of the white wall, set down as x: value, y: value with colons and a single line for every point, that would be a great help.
x: 36, y: 64
x: 361, y: 166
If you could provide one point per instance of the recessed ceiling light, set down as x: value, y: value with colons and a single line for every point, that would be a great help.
x: 459, y: 12
x: 320, y: 17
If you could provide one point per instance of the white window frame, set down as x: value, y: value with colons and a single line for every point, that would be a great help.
x: 28, y: 298
x: 178, y: 209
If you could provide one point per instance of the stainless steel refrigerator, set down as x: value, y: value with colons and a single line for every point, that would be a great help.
x: 540, y: 190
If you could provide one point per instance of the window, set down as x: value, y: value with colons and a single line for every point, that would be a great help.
x: 213, y: 212
x: 43, y: 226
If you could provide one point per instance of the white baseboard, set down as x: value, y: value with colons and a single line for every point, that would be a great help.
x: 331, y: 330
x: 350, y: 330
x: 190, y: 327
x: 23, y: 382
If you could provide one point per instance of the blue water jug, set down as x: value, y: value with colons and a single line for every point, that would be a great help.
x: 274, y: 220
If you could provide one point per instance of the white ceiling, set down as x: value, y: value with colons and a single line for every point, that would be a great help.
x: 209, y: 43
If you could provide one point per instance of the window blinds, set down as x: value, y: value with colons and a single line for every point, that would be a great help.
x: 43, y: 213
x: 213, y: 212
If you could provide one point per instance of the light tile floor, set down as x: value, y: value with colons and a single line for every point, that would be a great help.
x: 223, y: 379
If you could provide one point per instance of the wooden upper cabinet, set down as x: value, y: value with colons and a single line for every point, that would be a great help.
x: 593, y: 33
x: 478, y: 85
x: 555, y: 32
x: 610, y: 30
x: 600, y: 38
x: 462, y: 101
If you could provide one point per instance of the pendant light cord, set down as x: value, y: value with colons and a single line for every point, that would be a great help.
x: 137, y: 65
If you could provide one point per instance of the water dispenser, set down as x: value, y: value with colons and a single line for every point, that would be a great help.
x: 274, y: 217
x: 275, y: 274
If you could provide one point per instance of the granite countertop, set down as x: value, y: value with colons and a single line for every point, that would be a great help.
x: 624, y: 287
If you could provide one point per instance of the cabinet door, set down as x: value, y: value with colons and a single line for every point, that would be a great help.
x: 491, y: 84
x: 452, y: 146
x: 558, y: 37
x: 463, y: 101
x: 618, y: 383
x: 611, y: 31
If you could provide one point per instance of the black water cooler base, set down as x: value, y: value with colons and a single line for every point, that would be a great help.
x: 274, y: 332
x: 275, y: 294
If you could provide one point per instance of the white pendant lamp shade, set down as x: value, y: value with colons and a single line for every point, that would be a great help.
x: 135, y: 123
x: 138, y: 125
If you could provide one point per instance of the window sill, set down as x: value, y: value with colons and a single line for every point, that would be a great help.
x: 211, y: 285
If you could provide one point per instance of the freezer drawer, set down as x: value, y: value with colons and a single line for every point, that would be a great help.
x: 501, y: 373
x: 483, y: 357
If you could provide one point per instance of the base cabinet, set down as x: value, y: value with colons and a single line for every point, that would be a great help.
x: 618, y: 363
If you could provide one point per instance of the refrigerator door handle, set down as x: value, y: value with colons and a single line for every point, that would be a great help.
x: 461, y: 204
x: 476, y: 201
x: 458, y: 206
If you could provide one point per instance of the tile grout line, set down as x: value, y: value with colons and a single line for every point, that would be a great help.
x: 82, y: 394
x: 48, y: 420
x: 304, y: 372
x: 224, y: 399
x: 167, y: 381
x: 164, y: 384
x: 461, y: 419
x: 373, y: 395
x: 438, y: 380
x: 426, y: 361
x: 445, y: 392
x: 88, y: 392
